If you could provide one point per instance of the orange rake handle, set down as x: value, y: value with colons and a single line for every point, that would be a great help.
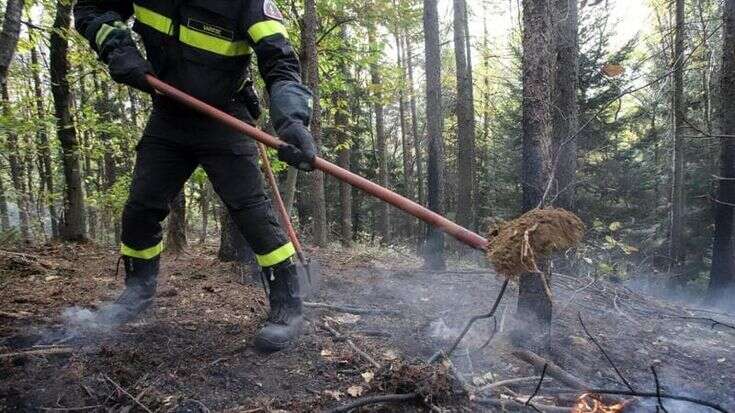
x: 460, y: 233
x: 280, y: 205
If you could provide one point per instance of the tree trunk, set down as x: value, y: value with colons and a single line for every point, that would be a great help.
x: 676, y: 248
x: 534, y: 306
x: 4, y: 218
x: 406, y: 145
x: 433, y: 250
x: 722, y: 275
x: 382, y: 211
x: 9, y: 36
x: 565, y: 113
x: 17, y: 169
x: 233, y: 247
x: 317, y: 199
x: 205, y: 194
x: 415, y: 124
x: 176, y: 227
x: 46, y: 170
x: 341, y: 126
x: 73, y: 227
x: 465, y: 111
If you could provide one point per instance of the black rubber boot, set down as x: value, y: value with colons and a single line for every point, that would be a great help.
x: 141, y: 279
x: 286, y: 318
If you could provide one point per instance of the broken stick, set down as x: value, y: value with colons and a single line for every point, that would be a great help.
x: 37, y: 352
x: 352, y: 345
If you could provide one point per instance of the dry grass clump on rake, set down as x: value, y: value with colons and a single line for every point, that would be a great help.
x: 517, y: 245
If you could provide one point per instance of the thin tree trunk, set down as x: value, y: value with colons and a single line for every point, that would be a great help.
x: 433, y: 251
x: 565, y: 113
x: 341, y: 125
x: 722, y: 275
x: 176, y: 227
x: 17, y: 170
x: 46, y: 170
x: 9, y: 36
x: 534, y: 306
x: 205, y: 194
x: 677, y: 253
x: 415, y: 124
x: 405, y: 142
x: 317, y: 199
x: 4, y: 218
x: 382, y: 211
x: 465, y: 111
x: 292, y: 177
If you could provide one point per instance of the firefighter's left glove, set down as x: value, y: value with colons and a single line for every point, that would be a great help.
x: 300, y: 151
x: 119, y: 51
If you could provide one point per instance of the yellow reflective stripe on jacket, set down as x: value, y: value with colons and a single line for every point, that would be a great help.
x: 263, y: 29
x: 155, y: 20
x: 102, y: 34
x: 145, y: 254
x: 276, y: 257
x: 213, y: 44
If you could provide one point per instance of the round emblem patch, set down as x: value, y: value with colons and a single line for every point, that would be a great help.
x: 270, y: 9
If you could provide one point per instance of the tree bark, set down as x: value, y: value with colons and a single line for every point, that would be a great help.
x: 465, y: 111
x: 382, y: 211
x: 176, y: 227
x: 722, y: 275
x: 415, y: 124
x: 46, y: 170
x: 405, y: 142
x: 17, y: 169
x: 73, y: 227
x: 317, y: 199
x: 233, y: 247
x: 9, y: 36
x: 676, y: 248
x: 205, y: 194
x: 433, y: 250
x: 534, y: 306
x: 565, y: 113
x: 4, y: 218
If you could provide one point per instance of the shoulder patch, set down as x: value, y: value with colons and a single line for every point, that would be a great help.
x: 270, y: 9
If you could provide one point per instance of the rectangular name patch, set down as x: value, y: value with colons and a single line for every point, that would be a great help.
x: 211, y: 29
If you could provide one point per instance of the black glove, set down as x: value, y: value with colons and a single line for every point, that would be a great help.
x: 126, y: 64
x: 300, y: 151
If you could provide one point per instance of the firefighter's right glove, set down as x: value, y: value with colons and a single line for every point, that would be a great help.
x: 300, y: 151
x: 126, y: 64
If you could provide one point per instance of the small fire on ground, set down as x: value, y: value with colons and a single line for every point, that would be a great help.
x: 590, y: 403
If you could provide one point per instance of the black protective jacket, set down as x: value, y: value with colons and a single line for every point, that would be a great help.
x: 204, y: 47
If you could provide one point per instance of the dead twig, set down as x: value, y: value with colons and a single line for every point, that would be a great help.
x: 352, y: 345
x: 604, y: 353
x: 472, y: 321
x: 351, y: 310
x: 69, y: 409
x: 714, y: 322
x: 125, y: 392
x: 503, y: 383
x: 538, y: 386
x: 38, y: 352
x: 365, y: 401
x: 658, y: 391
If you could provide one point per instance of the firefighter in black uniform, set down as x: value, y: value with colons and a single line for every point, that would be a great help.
x: 203, y: 47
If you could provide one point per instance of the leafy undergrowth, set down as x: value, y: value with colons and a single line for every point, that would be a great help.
x: 192, y: 352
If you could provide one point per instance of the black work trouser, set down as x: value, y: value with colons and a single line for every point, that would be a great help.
x: 168, y: 153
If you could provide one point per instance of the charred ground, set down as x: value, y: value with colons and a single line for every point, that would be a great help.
x: 193, y: 351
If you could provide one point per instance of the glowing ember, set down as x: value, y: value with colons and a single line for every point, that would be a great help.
x: 591, y: 403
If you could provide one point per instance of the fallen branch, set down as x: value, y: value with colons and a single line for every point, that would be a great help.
x: 18, y: 316
x: 714, y: 322
x: 350, y: 309
x: 365, y: 401
x: 648, y: 395
x: 504, y: 404
x: 552, y: 369
x: 352, y: 345
x: 37, y: 352
x: 69, y: 409
x: 125, y: 392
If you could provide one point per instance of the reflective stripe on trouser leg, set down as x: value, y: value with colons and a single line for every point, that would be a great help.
x: 144, y: 254
x: 277, y: 256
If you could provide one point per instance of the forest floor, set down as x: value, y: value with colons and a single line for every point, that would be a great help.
x: 192, y: 352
